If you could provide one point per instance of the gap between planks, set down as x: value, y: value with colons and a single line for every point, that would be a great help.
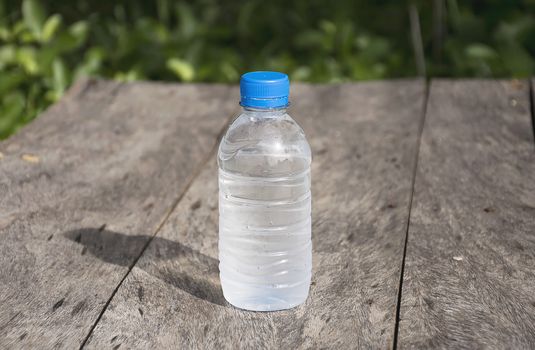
x: 532, y: 106
x: 173, y: 206
x: 413, y: 182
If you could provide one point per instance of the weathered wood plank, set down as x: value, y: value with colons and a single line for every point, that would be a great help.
x: 364, y: 139
x: 107, y: 154
x: 469, y: 278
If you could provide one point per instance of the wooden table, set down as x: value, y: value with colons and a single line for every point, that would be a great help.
x: 423, y: 219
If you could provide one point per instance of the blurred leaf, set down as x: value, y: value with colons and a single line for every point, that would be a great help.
x: 301, y: 74
x: 71, y: 39
x: 79, y: 31
x: 346, y: 37
x: 5, y: 34
x: 309, y: 39
x: 60, y: 77
x: 519, y: 62
x: 131, y: 75
x: 19, y: 28
x: 480, y: 51
x: 11, y: 108
x: 92, y: 63
x: 34, y: 16
x: 362, y: 42
x: 515, y: 31
x: 181, y: 68
x: 10, y: 81
x: 26, y: 57
x: 51, y: 26
x: 377, y: 48
x: 8, y: 55
x: 230, y: 73
x: 328, y: 27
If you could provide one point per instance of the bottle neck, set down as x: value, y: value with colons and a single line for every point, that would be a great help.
x: 265, y: 112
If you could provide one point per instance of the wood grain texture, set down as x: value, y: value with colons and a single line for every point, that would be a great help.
x: 364, y: 139
x: 108, y: 156
x: 469, y: 278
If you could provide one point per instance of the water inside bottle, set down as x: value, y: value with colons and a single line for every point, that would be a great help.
x: 264, y: 228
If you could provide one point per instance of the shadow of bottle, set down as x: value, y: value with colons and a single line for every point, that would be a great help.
x: 184, y: 268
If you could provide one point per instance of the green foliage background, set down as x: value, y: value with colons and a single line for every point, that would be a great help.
x: 46, y: 45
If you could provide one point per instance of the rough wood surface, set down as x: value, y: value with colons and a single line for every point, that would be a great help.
x: 108, y: 156
x: 470, y: 263
x: 364, y: 139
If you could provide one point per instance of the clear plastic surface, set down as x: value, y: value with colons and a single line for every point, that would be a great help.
x: 265, y: 248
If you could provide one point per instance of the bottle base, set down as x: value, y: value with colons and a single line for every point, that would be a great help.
x: 264, y: 304
x: 265, y: 297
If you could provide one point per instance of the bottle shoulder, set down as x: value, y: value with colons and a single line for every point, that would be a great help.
x: 259, y: 144
x: 278, y: 126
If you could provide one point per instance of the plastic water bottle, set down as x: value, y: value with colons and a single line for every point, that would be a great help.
x: 265, y: 248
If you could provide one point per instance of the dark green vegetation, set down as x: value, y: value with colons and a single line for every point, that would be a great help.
x: 47, y: 45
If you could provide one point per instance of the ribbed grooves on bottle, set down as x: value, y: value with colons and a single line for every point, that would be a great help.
x: 261, y: 269
x: 228, y: 268
x: 226, y: 279
x: 275, y: 274
x: 295, y: 229
x: 262, y: 179
x: 249, y: 239
x: 265, y: 203
x: 236, y: 263
x: 248, y: 253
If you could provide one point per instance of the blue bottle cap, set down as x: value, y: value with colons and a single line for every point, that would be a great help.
x: 264, y: 90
